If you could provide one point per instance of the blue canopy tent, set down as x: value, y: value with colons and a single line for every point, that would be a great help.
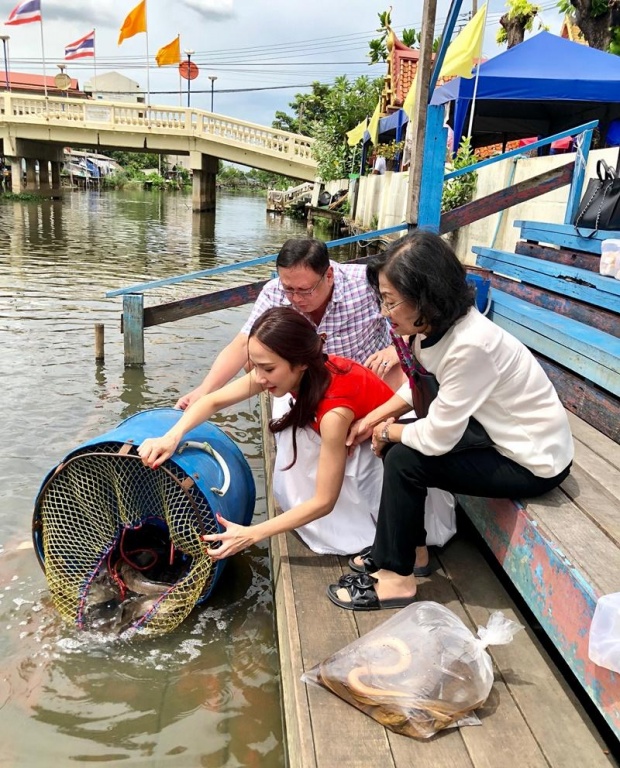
x: 392, y: 127
x: 543, y: 86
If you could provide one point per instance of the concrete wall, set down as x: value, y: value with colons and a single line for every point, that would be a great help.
x: 385, y: 197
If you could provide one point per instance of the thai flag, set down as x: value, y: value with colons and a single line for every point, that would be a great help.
x: 83, y: 47
x: 26, y: 12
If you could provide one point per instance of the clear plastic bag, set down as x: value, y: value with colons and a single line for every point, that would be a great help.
x: 421, y: 671
x: 604, y: 645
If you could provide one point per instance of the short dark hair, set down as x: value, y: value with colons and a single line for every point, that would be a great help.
x: 305, y: 251
x: 427, y: 273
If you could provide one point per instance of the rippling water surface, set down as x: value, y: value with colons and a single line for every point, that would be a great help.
x: 207, y: 694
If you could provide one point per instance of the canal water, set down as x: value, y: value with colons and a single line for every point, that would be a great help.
x: 206, y: 694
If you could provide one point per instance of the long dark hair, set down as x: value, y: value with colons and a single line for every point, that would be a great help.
x: 427, y: 273
x: 291, y: 336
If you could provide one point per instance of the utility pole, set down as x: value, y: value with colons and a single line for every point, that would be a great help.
x: 212, y: 78
x: 189, y: 53
x: 5, y: 44
x: 423, y: 77
x: 474, y: 8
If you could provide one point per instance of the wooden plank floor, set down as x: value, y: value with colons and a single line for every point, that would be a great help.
x: 531, y: 718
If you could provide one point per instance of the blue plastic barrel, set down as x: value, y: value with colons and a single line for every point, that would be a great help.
x: 101, y: 492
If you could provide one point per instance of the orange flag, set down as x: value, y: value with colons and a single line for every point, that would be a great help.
x: 135, y: 22
x: 169, y: 54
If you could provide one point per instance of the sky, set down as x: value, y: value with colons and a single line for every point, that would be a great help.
x: 262, y: 52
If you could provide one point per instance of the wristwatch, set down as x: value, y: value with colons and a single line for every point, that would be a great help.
x: 385, y: 434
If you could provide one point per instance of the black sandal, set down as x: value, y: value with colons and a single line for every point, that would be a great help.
x: 362, y: 593
x: 368, y: 565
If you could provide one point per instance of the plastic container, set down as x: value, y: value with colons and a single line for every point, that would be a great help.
x: 604, y: 647
x: 610, y: 258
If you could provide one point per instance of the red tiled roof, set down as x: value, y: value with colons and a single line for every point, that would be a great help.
x: 402, y: 66
x: 24, y: 81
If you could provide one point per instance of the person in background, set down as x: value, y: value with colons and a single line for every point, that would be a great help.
x: 336, y: 511
x: 335, y: 298
x: 482, y: 372
x: 379, y: 166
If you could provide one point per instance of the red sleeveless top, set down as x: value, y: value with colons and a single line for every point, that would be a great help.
x: 356, y: 388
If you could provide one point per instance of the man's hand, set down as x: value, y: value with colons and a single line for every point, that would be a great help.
x: 383, y: 361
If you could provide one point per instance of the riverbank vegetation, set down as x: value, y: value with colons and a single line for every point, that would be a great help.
x: 326, y: 114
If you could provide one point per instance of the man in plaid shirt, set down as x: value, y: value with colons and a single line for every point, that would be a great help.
x: 335, y: 297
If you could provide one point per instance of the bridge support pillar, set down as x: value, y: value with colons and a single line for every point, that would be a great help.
x: 56, y: 186
x: 204, y: 169
x: 16, y: 175
x: 31, y: 175
x: 44, y: 178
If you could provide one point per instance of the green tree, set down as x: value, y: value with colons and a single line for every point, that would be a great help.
x: 518, y: 20
x: 346, y: 104
x: 599, y: 20
x: 135, y: 160
x: 308, y: 108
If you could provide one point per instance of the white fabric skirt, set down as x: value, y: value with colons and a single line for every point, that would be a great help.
x: 350, y: 526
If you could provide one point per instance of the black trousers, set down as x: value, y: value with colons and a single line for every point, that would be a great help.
x: 407, y: 476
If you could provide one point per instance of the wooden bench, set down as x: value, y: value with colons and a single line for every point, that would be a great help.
x: 562, y: 550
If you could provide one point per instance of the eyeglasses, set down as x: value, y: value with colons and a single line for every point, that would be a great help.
x: 389, y: 307
x: 302, y: 291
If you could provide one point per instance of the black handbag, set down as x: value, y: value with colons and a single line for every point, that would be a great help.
x: 425, y: 391
x: 600, y: 205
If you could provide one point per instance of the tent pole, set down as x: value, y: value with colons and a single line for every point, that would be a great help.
x: 473, y: 102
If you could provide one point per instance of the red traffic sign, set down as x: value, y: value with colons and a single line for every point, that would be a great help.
x: 188, y: 70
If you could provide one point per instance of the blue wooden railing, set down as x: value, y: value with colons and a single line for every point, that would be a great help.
x: 433, y: 177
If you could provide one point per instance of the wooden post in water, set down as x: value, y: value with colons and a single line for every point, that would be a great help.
x: 99, y: 342
x: 133, y: 329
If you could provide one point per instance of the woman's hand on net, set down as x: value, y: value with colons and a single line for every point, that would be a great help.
x: 234, y: 538
x: 155, y: 450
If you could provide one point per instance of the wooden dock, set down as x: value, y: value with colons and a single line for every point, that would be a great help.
x: 532, y: 718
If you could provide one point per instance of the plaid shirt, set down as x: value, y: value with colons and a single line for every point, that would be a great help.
x: 352, y: 323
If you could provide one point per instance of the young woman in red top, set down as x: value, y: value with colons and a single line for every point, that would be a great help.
x: 330, y: 393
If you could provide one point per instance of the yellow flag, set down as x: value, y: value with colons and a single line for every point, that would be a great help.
x: 169, y: 54
x: 373, y: 125
x: 466, y: 49
x: 410, y: 100
x: 135, y: 22
x: 355, y: 135
x: 461, y: 55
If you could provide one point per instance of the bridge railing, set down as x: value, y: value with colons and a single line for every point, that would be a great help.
x: 134, y: 117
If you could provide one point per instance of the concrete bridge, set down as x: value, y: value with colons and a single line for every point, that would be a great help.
x: 35, y: 128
